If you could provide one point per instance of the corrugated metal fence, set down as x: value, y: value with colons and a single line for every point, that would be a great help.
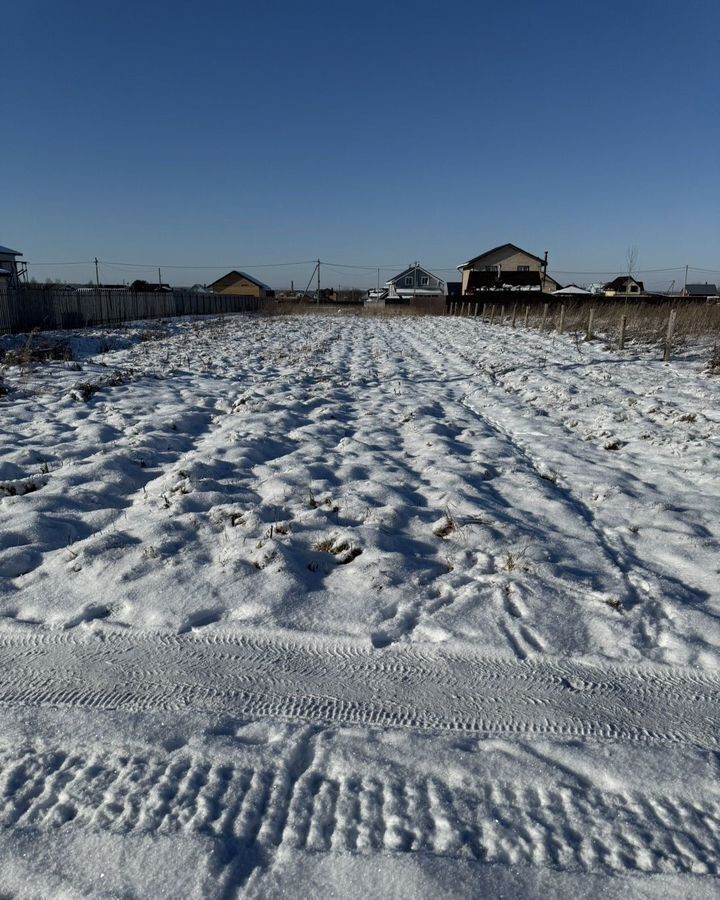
x: 25, y: 308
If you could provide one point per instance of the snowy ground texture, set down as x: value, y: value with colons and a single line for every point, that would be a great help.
x: 343, y: 606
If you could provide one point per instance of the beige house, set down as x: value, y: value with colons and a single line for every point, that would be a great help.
x: 623, y: 286
x: 240, y: 284
x: 506, y: 267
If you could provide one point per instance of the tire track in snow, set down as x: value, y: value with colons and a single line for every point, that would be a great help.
x: 328, y: 805
x: 323, y: 682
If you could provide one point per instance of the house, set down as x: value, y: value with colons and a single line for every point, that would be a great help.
x: 240, y: 284
x: 507, y: 267
x: 623, y: 286
x: 414, y: 283
x: 140, y: 286
x: 700, y: 291
x: 10, y: 269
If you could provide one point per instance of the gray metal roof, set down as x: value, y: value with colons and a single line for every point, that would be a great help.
x: 416, y: 267
x: 701, y: 290
x: 11, y: 252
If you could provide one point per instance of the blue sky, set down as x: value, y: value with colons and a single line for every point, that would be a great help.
x: 239, y: 134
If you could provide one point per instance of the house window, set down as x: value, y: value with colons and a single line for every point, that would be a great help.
x: 523, y: 268
x: 491, y: 268
x: 424, y: 280
x: 408, y: 281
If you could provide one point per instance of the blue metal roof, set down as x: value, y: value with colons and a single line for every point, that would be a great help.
x: 12, y: 252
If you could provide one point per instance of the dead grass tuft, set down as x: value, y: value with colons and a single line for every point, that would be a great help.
x: 326, y: 545
x: 34, y: 353
x: 20, y: 488
x: 343, y: 551
x: 445, y: 527
x: 84, y: 390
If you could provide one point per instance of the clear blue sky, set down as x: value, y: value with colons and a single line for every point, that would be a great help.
x: 372, y: 133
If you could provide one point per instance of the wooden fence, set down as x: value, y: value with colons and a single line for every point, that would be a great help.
x: 26, y: 308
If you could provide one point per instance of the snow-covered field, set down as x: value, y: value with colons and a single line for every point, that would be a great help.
x: 343, y: 606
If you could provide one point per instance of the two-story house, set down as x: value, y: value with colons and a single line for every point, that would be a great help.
x: 507, y: 267
x: 414, y: 283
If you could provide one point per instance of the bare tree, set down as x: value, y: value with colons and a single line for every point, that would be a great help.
x: 631, y: 258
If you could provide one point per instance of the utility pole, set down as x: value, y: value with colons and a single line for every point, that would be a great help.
x: 307, y: 286
x: 318, y: 281
x: 378, y: 284
x: 159, y: 279
x: 544, y: 275
x: 685, y: 285
x: 97, y: 277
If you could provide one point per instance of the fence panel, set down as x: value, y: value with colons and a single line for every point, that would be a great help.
x: 26, y: 308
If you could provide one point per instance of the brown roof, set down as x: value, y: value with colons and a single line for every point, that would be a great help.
x: 512, y: 247
x: 238, y: 276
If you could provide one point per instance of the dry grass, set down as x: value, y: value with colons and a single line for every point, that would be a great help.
x: 342, y: 550
x: 445, y: 527
x: 308, y: 308
x: 32, y: 352
x: 646, y: 320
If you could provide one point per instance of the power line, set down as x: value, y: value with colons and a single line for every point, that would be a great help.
x: 374, y: 268
x: 82, y: 262
x: 127, y: 265
x: 349, y: 266
x: 615, y: 271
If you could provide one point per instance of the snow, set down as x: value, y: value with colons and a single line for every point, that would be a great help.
x: 323, y: 605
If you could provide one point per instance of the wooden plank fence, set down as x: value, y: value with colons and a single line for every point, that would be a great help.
x: 26, y: 308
